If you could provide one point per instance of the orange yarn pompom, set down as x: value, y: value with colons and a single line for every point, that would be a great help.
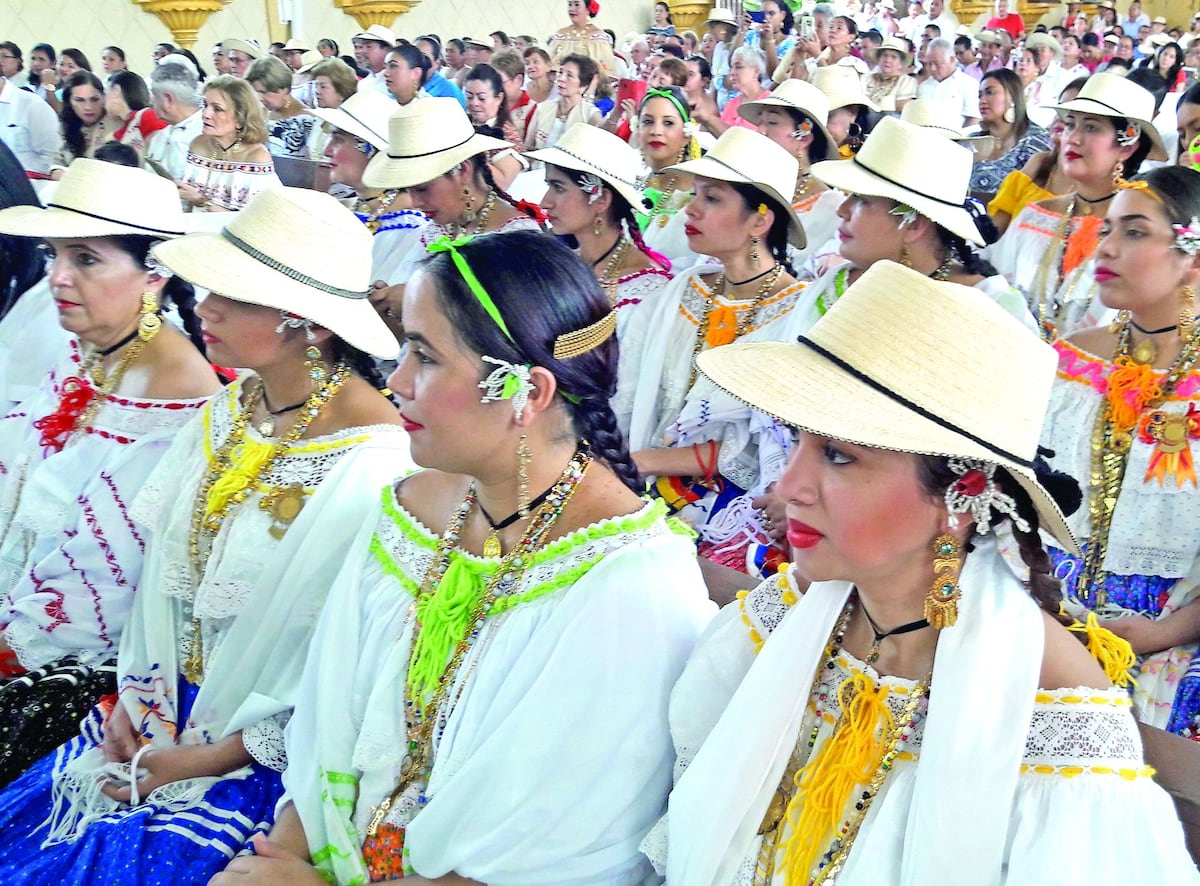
x: 1131, y: 387
x: 1081, y: 245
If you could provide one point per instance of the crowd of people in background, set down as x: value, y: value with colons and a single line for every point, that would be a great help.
x: 751, y: 454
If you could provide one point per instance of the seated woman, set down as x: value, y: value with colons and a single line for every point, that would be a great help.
x: 487, y: 106
x: 592, y: 194
x: 666, y: 135
x: 708, y: 452
x: 291, y: 127
x: 86, y: 124
x: 889, y: 87
x: 435, y: 154
x: 570, y: 104
x: 444, y: 650
x: 747, y: 70
x: 245, y: 521
x: 228, y: 163
x: 75, y: 451
x: 794, y: 117
x: 1046, y: 251
x: 829, y: 724
x: 850, y: 109
x: 358, y: 130
x: 1014, y: 138
x: 1120, y: 416
x: 127, y: 99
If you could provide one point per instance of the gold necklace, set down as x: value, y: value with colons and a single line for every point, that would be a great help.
x: 661, y: 209
x: 386, y: 199
x: 612, y: 268
x: 457, y: 231
x: 225, y: 153
x: 1050, y: 310
x: 801, y: 187
x: 744, y: 319
x: 210, y: 508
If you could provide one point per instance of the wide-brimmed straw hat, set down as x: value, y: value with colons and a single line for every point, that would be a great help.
x: 247, y: 47
x: 587, y: 148
x: 896, y: 45
x: 97, y: 199
x: 1107, y: 95
x: 426, y: 139
x: 906, y: 363
x: 378, y: 33
x: 799, y: 95
x: 365, y: 115
x: 309, y: 59
x: 914, y: 166
x: 473, y: 41
x: 295, y: 45
x: 748, y: 157
x: 842, y: 85
x: 1038, y: 39
x: 986, y: 36
x: 721, y: 16
x: 940, y: 117
x: 293, y: 249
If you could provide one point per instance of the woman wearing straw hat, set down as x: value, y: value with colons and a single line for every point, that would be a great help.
x: 707, y: 452
x: 889, y: 87
x: 248, y: 515
x: 593, y: 195
x: 358, y: 131
x: 76, y: 448
x: 437, y: 156
x: 1014, y: 137
x: 228, y: 163
x: 794, y: 116
x: 829, y: 724
x: 485, y: 699
x: 667, y: 137
x: 1046, y: 250
x: 849, y: 107
x: 1120, y: 416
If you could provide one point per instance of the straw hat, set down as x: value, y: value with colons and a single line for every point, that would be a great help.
x: 97, y: 199
x: 1113, y: 39
x: 378, y: 33
x: 914, y: 166
x: 896, y: 45
x: 1158, y: 20
x: 365, y: 115
x: 799, y: 95
x: 586, y: 148
x: 295, y: 45
x: 940, y: 117
x: 1107, y: 95
x: 309, y: 60
x: 986, y: 36
x: 471, y: 41
x: 842, y: 86
x: 296, y: 250
x: 963, y: 378
x: 1038, y: 40
x: 887, y: 4
x: 247, y: 47
x: 747, y: 157
x: 722, y: 16
x: 426, y: 139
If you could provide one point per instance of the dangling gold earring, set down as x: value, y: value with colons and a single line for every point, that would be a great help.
x: 754, y: 256
x: 905, y: 258
x: 524, y: 457
x: 315, y: 366
x: 1187, y: 314
x: 941, y: 602
x: 598, y: 226
x: 468, y: 204
x: 148, y: 320
x: 1118, y: 174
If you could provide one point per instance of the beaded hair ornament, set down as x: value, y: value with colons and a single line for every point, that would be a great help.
x: 155, y: 267
x: 511, y: 381
x: 288, y: 320
x: 906, y: 214
x: 1187, y: 237
x: 975, y: 491
x: 591, y: 185
x: 1129, y: 136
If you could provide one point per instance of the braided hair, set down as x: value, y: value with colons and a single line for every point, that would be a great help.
x: 480, y: 164
x: 360, y: 362
x: 176, y: 290
x: 777, y: 237
x: 543, y: 290
x: 621, y: 212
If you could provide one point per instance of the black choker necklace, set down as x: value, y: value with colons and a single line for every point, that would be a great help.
x: 1097, y: 200
x: 608, y: 251
x: 292, y: 408
x: 750, y: 279
x: 104, y: 352
x: 880, y: 636
x: 1134, y: 324
x: 493, y: 550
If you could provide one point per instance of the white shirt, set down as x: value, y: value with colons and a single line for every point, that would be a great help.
x: 374, y: 81
x: 28, y: 126
x: 169, y: 147
x: 959, y: 89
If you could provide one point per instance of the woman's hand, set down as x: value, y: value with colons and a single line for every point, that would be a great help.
x: 163, y: 766
x: 774, y: 514
x: 190, y: 193
x: 272, y: 865
x: 1144, y: 634
x: 49, y: 78
x: 121, y: 740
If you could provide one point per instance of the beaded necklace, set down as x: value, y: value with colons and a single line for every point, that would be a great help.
x: 661, y: 213
x: 1050, y: 314
x: 1112, y: 441
x: 801, y: 189
x: 372, y: 220
x: 744, y: 320
x: 480, y: 220
x: 236, y: 469
x: 425, y: 697
x: 893, y: 743
x: 611, y: 273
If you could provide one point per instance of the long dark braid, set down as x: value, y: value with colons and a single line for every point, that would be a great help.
x: 183, y: 296
x: 635, y: 234
x: 481, y: 167
x: 596, y: 422
x: 362, y: 363
x: 972, y: 261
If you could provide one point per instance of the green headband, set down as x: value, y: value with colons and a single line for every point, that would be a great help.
x: 445, y: 244
x: 669, y: 96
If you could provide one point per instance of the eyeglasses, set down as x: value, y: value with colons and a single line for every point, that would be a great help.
x: 8, y: 58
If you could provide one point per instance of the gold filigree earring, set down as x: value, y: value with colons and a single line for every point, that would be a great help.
x: 1187, y: 314
x: 941, y: 602
x: 148, y: 320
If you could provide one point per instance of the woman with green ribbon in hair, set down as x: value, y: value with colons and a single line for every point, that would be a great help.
x: 666, y: 135
x: 486, y: 696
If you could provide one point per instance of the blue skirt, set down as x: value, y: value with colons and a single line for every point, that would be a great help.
x: 140, y: 846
